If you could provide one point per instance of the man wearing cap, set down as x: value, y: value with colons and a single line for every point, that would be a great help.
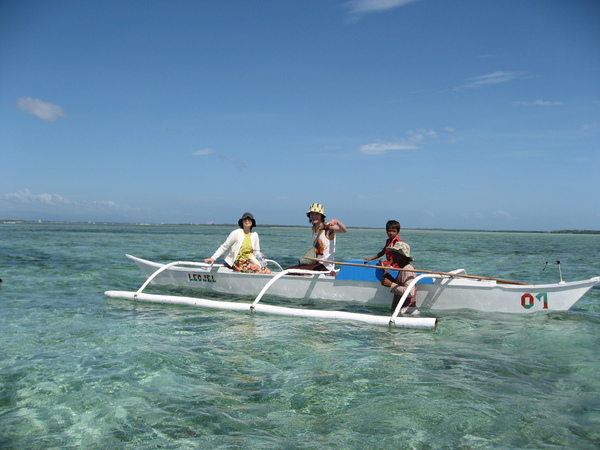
x: 398, y: 286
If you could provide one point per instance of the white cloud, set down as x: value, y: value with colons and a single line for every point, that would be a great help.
x: 416, y: 139
x: 26, y: 205
x: 378, y: 148
x: 25, y: 196
x: 538, y: 103
x: 491, y: 79
x: 420, y: 134
x: 368, y: 6
x: 104, y: 203
x: 40, y: 109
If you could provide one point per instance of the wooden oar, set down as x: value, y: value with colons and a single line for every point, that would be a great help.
x: 461, y: 275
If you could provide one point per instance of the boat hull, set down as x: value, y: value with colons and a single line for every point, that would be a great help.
x: 444, y: 293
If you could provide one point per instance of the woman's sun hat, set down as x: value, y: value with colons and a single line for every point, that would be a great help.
x: 246, y: 215
x: 316, y: 207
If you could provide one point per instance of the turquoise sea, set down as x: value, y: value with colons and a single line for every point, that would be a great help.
x: 79, y: 370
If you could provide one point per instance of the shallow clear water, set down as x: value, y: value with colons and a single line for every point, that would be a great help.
x: 80, y: 370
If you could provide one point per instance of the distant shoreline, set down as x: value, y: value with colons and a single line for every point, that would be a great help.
x: 18, y: 221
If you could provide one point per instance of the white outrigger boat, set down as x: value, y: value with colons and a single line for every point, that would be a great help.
x: 356, y: 283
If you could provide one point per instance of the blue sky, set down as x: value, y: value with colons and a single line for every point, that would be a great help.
x: 440, y: 114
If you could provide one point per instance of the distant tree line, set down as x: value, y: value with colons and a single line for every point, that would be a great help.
x: 576, y: 232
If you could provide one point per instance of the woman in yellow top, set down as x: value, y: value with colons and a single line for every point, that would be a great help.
x: 241, y: 246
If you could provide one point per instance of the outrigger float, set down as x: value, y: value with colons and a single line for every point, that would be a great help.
x: 354, y: 282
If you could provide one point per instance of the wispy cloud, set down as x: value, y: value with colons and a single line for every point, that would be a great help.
x: 40, y: 109
x: 204, y: 151
x: 368, y: 6
x: 421, y: 134
x: 416, y: 139
x: 358, y: 8
x: 491, y: 79
x: 24, y: 204
x: 378, y: 148
x: 538, y: 103
x: 237, y: 163
x: 26, y: 197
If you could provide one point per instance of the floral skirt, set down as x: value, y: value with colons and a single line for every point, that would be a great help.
x: 250, y: 265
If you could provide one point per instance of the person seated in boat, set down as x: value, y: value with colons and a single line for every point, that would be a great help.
x: 398, y: 286
x: 392, y: 228
x: 323, y: 235
x: 242, y: 247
